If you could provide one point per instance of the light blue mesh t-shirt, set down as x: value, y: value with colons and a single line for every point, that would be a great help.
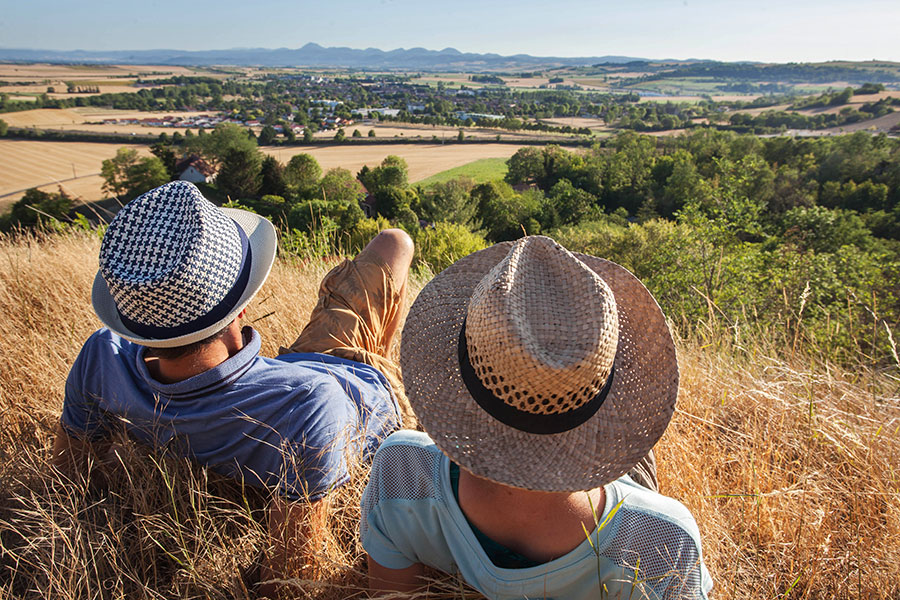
x: 290, y: 423
x: 650, y: 548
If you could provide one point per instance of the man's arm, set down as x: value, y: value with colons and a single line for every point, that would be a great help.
x: 297, y: 533
x: 383, y: 579
x: 70, y: 454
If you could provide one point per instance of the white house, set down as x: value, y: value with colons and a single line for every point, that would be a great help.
x: 194, y: 169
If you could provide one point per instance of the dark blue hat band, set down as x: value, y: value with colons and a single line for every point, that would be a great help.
x: 216, y: 314
x: 519, y: 419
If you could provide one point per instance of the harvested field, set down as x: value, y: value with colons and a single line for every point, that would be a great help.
x: 108, y: 78
x: 88, y: 119
x: 38, y: 72
x: 391, y: 130
x: 74, y: 165
x: 79, y: 119
x: 424, y: 160
x: 590, y: 123
x: 879, y: 125
x: 112, y: 86
x: 526, y: 82
x: 759, y: 111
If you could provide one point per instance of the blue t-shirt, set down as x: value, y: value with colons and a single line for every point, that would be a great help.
x: 649, y: 548
x: 290, y: 423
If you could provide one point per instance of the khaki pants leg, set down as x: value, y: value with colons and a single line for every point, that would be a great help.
x: 359, y: 302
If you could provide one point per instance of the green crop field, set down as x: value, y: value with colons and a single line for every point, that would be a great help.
x: 483, y: 170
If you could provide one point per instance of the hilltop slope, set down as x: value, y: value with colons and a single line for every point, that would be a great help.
x: 789, y: 470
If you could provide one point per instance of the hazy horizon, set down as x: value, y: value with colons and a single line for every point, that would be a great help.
x: 763, y: 31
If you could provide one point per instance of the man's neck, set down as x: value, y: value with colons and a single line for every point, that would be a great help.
x: 174, y: 370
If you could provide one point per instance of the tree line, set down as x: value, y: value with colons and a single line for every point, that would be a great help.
x: 796, y: 239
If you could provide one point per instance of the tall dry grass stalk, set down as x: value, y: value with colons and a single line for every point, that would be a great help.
x: 790, y: 469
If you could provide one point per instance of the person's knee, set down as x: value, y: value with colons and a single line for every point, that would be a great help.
x: 395, y: 248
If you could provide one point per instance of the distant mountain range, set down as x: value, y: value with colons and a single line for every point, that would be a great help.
x: 312, y: 55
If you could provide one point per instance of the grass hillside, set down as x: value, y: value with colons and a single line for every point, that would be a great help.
x: 481, y: 171
x: 790, y: 468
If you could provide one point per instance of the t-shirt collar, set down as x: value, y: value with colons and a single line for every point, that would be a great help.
x: 219, y: 376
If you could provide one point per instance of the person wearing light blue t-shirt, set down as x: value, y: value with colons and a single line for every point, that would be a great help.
x: 542, y: 378
x: 176, y: 368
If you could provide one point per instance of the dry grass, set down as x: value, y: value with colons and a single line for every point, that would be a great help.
x: 790, y: 470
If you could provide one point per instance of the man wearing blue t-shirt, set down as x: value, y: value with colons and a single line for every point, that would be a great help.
x: 176, y: 368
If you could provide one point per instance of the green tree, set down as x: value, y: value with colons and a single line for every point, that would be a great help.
x: 340, y: 136
x: 36, y: 207
x: 164, y: 152
x: 224, y: 138
x: 392, y: 202
x: 267, y: 136
x: 239, y: 173
x: 270, y: 205
x: 573, y: 205
x: 356, y: 133
x: 302, y: 175
x: 627, y: 180
x: 4, y: 128
x: 392, y: 172
x: 371, y: 133
x: 825, y: 230
x: 127, y: 175
x: 272, y: 181
x: 678, y: 182
x: 504, y: 214
x: 460, y: 136
x: 525, y: 166
x: 115, y: 171
x: 450, y: 201
x: 148, y: 173
x: 307, y: 134
x: 339, y: 185
x: 445, y: 243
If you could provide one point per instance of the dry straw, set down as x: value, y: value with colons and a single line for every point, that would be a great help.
x: 790, y: 468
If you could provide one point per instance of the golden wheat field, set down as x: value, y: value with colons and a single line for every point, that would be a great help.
x: 75, y: 166
x: 790, y: 468
x: 42, y: 71
x: 81, y: 119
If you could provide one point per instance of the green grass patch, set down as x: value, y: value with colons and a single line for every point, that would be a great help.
x: 482, y: 171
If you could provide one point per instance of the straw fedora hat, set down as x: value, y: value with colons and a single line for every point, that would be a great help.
x: 175, y: 268
x: 540, y: 368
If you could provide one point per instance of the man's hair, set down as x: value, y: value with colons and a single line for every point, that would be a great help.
x: 188, y: 349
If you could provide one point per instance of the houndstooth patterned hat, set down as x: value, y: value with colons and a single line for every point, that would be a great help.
x: 174, y: 268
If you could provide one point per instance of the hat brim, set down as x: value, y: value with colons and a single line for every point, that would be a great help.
x: 263, y: 245
x: 633, y: 417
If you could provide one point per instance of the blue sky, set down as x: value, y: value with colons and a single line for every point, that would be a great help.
x: 764, y: 30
